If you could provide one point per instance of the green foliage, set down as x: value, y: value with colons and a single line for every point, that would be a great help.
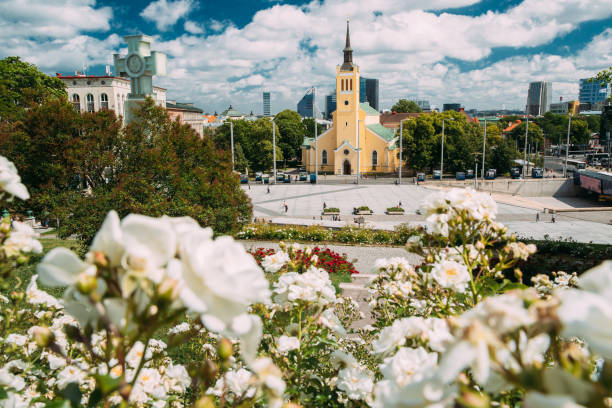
x: 554, y: 127
x: 331, y: 210
x: 534, y: 135
x: 395, y: 209
x: 164, y: 167
x: 502, y: 156
x: 23, y: 86
x: 364, y: 208
x: 255, y: 141
x: 291, y: 132
x: 406, y: 106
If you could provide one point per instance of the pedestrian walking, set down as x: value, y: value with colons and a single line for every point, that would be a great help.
x: 400, y: 204
x: 538, y: 216
x: 554, y: 218
x: 268, y: 192
x: 324, y: 206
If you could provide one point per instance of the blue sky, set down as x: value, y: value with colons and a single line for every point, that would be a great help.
x: 481, y: 54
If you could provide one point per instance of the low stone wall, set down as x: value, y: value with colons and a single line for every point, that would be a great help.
x: 526, y: 188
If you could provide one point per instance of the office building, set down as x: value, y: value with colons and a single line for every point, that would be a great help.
x: 571, y: 107
x: 188, y: 114
x: 539, y: 98
x: 266, y: 103
x: 305, y: 106
x: 451, y: 106
x: 368, y: 91
x: 593, y: 93
x: 330, y: 104
x: 423, y: 104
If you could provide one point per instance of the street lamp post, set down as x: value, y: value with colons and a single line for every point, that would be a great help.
x: 569, y: 125
x: 232, y: 142
x: 316, y: 151
x: 442, y: 153
x: 484, y: 142
x: 358, y: 151
x: 525, y: 150
x: 401, y: 147
x: 274, y: 148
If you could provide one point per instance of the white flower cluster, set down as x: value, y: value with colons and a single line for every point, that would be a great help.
x: 433, y: 331
x: 10, y: 182
x: 22, y: 239
x: 275, y: 262
x: 165, y: 256
x: 444, y: 206
x: 311, y: 286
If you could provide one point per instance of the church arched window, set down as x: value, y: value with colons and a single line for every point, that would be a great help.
x: 90, y: 103
x: 374, y: 158
x: 104, y: 101
x: 76, y: 102
x: 350, y: 85
x: 342, y: 84
x: 324, y: 157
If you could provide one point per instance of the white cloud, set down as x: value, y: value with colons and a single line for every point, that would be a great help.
x: 193, y: 28
x: 165, y: 13
x: 407, y: 47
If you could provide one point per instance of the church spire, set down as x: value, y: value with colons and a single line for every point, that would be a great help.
x: 348, y: 52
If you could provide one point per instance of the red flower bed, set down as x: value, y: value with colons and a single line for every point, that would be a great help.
x: 328, y: 260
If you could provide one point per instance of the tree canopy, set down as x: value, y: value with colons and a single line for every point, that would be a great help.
x: 23, y: 86
x: 406, y: 106
x: 153, y: 166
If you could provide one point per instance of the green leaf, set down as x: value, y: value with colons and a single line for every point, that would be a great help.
x: 72, y: 393
x: 58, y: 403
x: 3, y: 393
x: 107, y: 384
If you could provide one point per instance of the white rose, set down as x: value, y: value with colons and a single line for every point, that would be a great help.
x: 220, y: 278
x: 22, y: 239
x: 356, y: 382
x: 451, y: 275
x: 275, y: 262
x: 286, y: 344
x: 409, y: 365
x: 10, y: 181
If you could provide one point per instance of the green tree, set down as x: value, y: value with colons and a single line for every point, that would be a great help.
x: 503, y: 156
x: 534, y: 135
x: 291, y: 132
x: 309, y: 125
x: 23, y: 86
x: 406, y: 106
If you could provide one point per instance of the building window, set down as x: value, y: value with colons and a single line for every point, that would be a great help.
x: 90, y: 103
x: 342, y: 84
x: 374, y: 158
x: 76, y: 102
x: 346, y: 152
x: 324, y: 157
x: 346, y: 102
x: 104, y: 101
x: 351, y: 85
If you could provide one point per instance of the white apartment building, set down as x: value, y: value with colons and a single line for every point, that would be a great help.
x: 89, y: 93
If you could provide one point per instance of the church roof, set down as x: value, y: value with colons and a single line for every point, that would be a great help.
x: 382, y: 131
x: 232, y: 113
x: 364, y: 106
x: 307, y: 141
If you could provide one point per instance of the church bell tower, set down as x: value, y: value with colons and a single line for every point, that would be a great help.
x: 347, y: 95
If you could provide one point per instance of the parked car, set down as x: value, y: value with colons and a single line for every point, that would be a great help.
x: 469, y: 174
x: 258, y: 176
x: 515, y: 172
x: 460, y: 175
x: 302, y: 169
x: 287, y: 178
x: 490, y: 174
x: 313, y: 178
x: 266, y: 179
x: 244, y: 178
x: 420, y: 176
x: 280, y: 176
x: 303, y: 176
x: 437, y: 175
x: 537, y: 172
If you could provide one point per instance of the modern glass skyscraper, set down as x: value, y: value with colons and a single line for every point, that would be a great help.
x: 330, y: 104
x: 368, y: 91
x: 593, y: 93
x: 539, y: 97
x: 305, y: 106
x: 266, y: 103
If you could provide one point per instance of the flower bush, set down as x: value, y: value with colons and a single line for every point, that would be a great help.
x: 331, y: 210
x: 326, y: 259
x: 158, y: 313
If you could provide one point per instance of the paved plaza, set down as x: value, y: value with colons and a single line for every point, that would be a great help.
x: 305, y: 204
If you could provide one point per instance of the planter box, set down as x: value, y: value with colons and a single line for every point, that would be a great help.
x: 364, y: 212
x: 331, y: 213
x: 395, y: 213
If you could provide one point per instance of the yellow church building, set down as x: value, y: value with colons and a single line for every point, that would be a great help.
x: 356, y: 138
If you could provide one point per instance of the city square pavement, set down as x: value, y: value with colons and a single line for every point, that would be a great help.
x: 305, y: 204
